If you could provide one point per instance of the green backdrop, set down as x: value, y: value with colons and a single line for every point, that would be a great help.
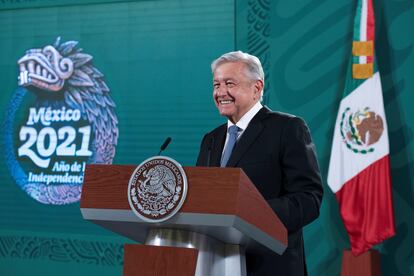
x: 156, y: 56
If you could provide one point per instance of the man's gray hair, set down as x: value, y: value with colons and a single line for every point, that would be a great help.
x: 253, y: 64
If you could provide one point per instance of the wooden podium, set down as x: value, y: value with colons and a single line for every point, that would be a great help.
x: 223, y: 215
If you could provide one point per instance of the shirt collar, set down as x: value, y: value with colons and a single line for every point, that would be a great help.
x: 245, y: 120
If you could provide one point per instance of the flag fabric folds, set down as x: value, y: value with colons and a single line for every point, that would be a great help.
x: 359, y: 168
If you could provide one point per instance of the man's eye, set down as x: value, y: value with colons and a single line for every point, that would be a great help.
x: 230, y: 84
x: 216, y: 85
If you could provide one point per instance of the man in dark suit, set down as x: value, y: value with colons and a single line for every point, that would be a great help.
x: 274, y: 149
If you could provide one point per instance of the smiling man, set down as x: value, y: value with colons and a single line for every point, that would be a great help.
x: 274, y: 149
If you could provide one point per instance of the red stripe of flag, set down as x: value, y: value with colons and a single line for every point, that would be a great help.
x: 370, y: 28
x: 365, y: 203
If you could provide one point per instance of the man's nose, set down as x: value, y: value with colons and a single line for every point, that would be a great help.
x: 221, y: 90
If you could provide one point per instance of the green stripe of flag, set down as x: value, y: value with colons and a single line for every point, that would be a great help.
x: 357, y: 21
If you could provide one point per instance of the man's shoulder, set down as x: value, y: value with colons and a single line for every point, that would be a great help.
x: 266, y: 116
x: 278, y: 116
x: 217, y: 130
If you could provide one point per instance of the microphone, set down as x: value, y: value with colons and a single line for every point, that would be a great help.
x: 164, y: 145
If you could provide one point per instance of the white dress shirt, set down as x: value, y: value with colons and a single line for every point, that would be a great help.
x: 243, y: 122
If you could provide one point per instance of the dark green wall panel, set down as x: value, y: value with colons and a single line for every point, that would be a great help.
x: 155, y: 56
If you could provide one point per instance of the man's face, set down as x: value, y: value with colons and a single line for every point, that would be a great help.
x: 234, y: 92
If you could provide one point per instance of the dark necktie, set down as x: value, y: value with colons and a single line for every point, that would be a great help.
x: 230, y: 145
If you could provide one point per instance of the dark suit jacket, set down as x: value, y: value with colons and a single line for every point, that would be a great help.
x: 277, y: 153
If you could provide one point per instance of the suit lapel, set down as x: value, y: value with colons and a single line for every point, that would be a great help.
x: 251, y: 133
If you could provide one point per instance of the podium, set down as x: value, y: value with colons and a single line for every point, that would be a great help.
x: 223, y: 216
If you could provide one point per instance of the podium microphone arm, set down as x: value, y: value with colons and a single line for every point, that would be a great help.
x: 164, y: 145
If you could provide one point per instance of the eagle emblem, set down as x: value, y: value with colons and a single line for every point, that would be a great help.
x: 360, y: 130
x: 157, y: 189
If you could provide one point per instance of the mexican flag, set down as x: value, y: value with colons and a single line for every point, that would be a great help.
x: 359, y: 168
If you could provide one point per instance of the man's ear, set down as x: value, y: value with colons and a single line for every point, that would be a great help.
x: 258, y: 85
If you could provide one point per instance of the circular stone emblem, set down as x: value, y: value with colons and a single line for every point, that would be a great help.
x: 157, y: 189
